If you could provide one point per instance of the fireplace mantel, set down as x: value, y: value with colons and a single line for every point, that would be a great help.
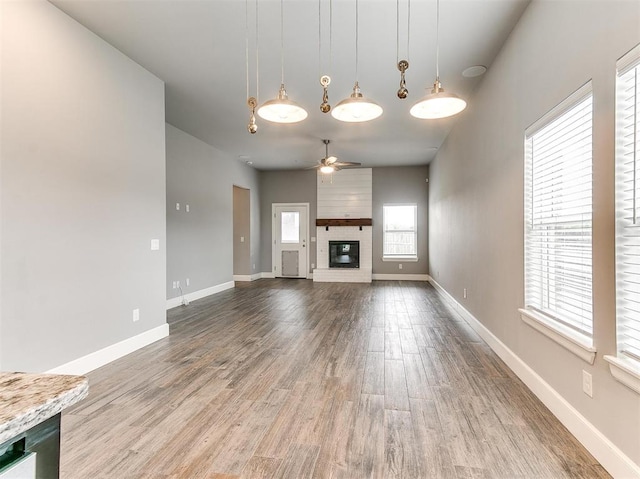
x: 344, y: 222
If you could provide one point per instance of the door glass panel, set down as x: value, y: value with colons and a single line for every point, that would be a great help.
x: 290, y: 227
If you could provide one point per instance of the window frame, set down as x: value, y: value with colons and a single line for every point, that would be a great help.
x: 625, y: 365
x: 398, y: 257
x: 564, y: 331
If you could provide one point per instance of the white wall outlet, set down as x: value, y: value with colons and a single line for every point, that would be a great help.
x: 186, y: 281
x: 464, y: 293
x: 155, y: 244
x: 400, y: 266
x: 174, y: 285
x: 186, y: 208
x: 136, y: 315
x: 254, y: 266
x: 241, y: 239
x: 177, y: 206
x: 313, y: 265
x: 587, y: 383
x: 178, y: 284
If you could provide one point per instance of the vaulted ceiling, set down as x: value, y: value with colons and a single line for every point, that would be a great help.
x: 198, y: 47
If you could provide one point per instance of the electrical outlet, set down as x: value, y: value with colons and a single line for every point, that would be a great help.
x: 174, y: 285
x: 241, y: 239
x: 313, y: 265
x: 587, y: 383
x: 400, y: 266
x: 136, y: 315
x: 186, y: 208
x: 254, y: 266
x: 177, y: 206
x: 178, y: 284
x: 464, y: 293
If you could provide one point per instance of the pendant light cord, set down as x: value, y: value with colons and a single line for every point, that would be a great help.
x: 246, y: 37
x: 356, y: 41
x: 281, y: 42
x: 438, y: 40
x: 398, y: 29
x: 408, y: 26
x: 320, y: 37
x: 330, y: 36
x: 257, y: 56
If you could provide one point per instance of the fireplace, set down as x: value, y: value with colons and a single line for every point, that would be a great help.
x: 344, y: 254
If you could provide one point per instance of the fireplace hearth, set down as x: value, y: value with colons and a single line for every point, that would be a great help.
x: 344, y: 254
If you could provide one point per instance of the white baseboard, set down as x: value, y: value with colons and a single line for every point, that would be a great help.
x: 267, y: 275
x: 247, y: 277
x: 203, y: 293
x: 607, y: 453
x: 105, y: 355
x: 400, y: 277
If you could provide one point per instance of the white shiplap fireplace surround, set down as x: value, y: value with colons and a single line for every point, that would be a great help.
x: 345, y: 195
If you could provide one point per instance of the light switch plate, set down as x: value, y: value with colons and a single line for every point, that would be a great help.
x: 136, y: 315
x: 155, y: 244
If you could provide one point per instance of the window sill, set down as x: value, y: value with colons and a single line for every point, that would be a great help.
x: 625, y: 371
x: 404, y: 259
x: 572, y: 341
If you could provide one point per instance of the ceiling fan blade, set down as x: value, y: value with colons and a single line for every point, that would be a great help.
x: 347, y: 163
x: 329, y: 160
x: 314, y: 167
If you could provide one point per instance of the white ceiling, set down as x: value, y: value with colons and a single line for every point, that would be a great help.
x: 198, y: 48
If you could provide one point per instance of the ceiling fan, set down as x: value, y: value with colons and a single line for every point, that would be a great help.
x: 329, y: 164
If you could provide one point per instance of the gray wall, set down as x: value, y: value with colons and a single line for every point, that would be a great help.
x: 286, y: 187
x: 404, y: 184
x: 200, y: 243
x: 476, y: 195
x: 241, y: 231
x: 83, y: 191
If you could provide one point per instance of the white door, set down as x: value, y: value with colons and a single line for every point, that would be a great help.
x: 290, y: 231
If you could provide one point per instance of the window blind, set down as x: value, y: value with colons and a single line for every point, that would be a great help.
x: 628, y: 205
x: 558, y: 214
x: 400, y: 230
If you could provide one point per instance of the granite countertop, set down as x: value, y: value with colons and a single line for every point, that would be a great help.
x: 28, y: 399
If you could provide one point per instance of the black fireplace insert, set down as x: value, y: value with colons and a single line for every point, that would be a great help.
x: 344, y: 254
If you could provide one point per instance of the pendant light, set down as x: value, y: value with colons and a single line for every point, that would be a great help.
x: 356, y: 108
x: 438, y: 103
x: 281, y: 109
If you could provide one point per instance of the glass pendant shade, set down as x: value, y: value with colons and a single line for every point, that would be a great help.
x: 356, y: 108
x: 281, y: 109
x: 438, y: 104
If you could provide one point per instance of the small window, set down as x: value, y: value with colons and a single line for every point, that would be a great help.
x: 558, y: 217
x: 628, y: 206
x: 400, y: 231
x: 290, y: 227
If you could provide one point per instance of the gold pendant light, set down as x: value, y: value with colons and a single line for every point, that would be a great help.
x: 281, y: 109
x: 438, y: 103
x: 357, y: 108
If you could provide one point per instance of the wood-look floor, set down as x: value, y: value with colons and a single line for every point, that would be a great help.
x: 295, y: 379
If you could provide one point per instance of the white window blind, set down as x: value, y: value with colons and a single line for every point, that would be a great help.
x: 628, y: 205
x: 400, y: 231
x: 558, y: 214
